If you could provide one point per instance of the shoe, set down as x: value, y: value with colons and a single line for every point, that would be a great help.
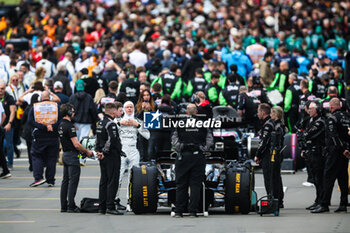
x: 178, y: 215
x: 82, y: 162
x: 118, y: 205
x: 51, y: 185
x: 341, y: 208
x: 63, y: 210
x: 128, y: 208
x: 193, y: 215
x: 10, y: 167
x: 114, y: 212
x: 308, y: 184
x: 311, y: 207
x: 75, y: 210
x: 281, y: 206
x: 5, y: 175
x: 17, y: 152
x: 37, y: 183
x: 320, y: 209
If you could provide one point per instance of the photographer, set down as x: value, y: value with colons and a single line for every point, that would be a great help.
x: 190, y: 164
x: 71, y: 166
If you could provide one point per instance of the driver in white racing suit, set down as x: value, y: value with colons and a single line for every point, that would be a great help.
x: 129, y: 127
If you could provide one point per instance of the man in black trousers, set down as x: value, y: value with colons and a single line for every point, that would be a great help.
x: 336, y: 166
x: 313, y: 147
x: 108, y: 143
x: 263, y: 154
x: 5, y: 171
x: 190, y: 143
x: 71, y: 166
x: 45, y: 145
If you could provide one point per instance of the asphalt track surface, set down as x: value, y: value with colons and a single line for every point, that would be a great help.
x: 26, y: 209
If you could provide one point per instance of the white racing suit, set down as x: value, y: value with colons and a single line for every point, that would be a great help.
x: 128, y: 138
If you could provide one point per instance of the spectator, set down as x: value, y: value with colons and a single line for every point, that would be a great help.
x: 27, y: 129
x: 14, y: 88
x: 191, y: 65
x: 58, y: 88
x: 67, y: 63
x: 110, y: 74
x: 167, y: 59
x: 9, y: 105
x: 91, y: 84
x: 239, y: 59
x: 256, y: 51
x: 136, y: 57
x: 28, y: 75
x: 265, y: 69
x: 49, y: 67
x: 5, y: 171
x: 39, y: 75
x: 85, y: 108
x: 62, y: 77
x: 109, y: 98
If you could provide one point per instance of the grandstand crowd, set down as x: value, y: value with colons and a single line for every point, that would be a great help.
x: 161, y: 53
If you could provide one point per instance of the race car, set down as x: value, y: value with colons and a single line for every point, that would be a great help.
x: 229, y: 175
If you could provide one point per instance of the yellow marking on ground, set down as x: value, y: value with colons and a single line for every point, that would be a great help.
x: 17, y: 221
x: 43, y: 188
x: 28, y: 198
x: 1, y: 209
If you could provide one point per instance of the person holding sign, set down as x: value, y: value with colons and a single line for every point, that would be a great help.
x: 44, y: 120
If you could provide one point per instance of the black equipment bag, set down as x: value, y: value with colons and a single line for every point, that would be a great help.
x: 89, y: 205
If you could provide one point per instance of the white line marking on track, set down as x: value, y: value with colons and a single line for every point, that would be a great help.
x: 17, y: 221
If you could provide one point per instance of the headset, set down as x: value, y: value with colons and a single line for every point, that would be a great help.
x: 70, y: 110
x: 318, y: 107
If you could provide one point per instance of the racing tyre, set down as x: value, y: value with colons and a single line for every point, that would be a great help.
x: 291, y: 153
x: 238, y: 186
x: 143, y: 189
